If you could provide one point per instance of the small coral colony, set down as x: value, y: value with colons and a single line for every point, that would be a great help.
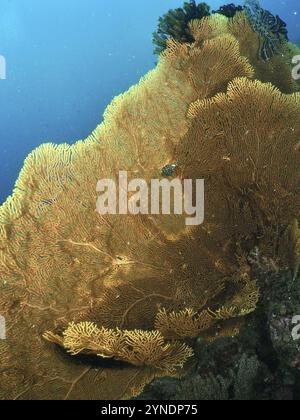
x: 98, y: 306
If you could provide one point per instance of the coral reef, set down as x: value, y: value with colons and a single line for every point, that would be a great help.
x: 235, y: 381
x: 238, y: 385
x: 262, y: 39
x: 98, y: 306
x: 271, y: 30
x: 262, y: 363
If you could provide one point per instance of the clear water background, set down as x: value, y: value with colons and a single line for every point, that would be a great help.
x: 67, y: 59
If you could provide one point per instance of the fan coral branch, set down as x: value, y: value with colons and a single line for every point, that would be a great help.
x: 139, y: 348
x: 184, y: 324
x: 241, y: 305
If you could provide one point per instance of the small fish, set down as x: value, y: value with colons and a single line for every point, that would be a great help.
x: 169, y: 170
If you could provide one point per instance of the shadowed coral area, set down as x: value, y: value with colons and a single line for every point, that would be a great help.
x: 122, y: 298
x: 272, y: 29
x: 277, y: 69
x: 137, y: 347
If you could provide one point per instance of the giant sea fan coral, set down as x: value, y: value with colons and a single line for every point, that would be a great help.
x: 66, y: 269
x: 276, y: 70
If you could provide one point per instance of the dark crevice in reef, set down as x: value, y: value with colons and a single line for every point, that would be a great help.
x: 92, y: 361
x: 262, y: 363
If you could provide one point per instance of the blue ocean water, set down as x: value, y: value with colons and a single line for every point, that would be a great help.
x: 67, y: 59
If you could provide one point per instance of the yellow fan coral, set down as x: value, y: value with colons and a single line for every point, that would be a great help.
x: 125, y: 287
x: 137, y: 347
x: 277, y: 70
x: 188, y: 323
x: 255, y: 161
x: 183, y: 324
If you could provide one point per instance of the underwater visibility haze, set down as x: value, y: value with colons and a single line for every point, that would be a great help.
x: 105, y: 293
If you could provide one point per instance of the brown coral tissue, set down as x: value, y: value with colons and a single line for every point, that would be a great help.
x: 98, y: 306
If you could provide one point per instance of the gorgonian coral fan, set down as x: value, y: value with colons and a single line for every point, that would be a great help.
x: 139, y: 289
x: 277, y: 69
x: 175, y: 24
